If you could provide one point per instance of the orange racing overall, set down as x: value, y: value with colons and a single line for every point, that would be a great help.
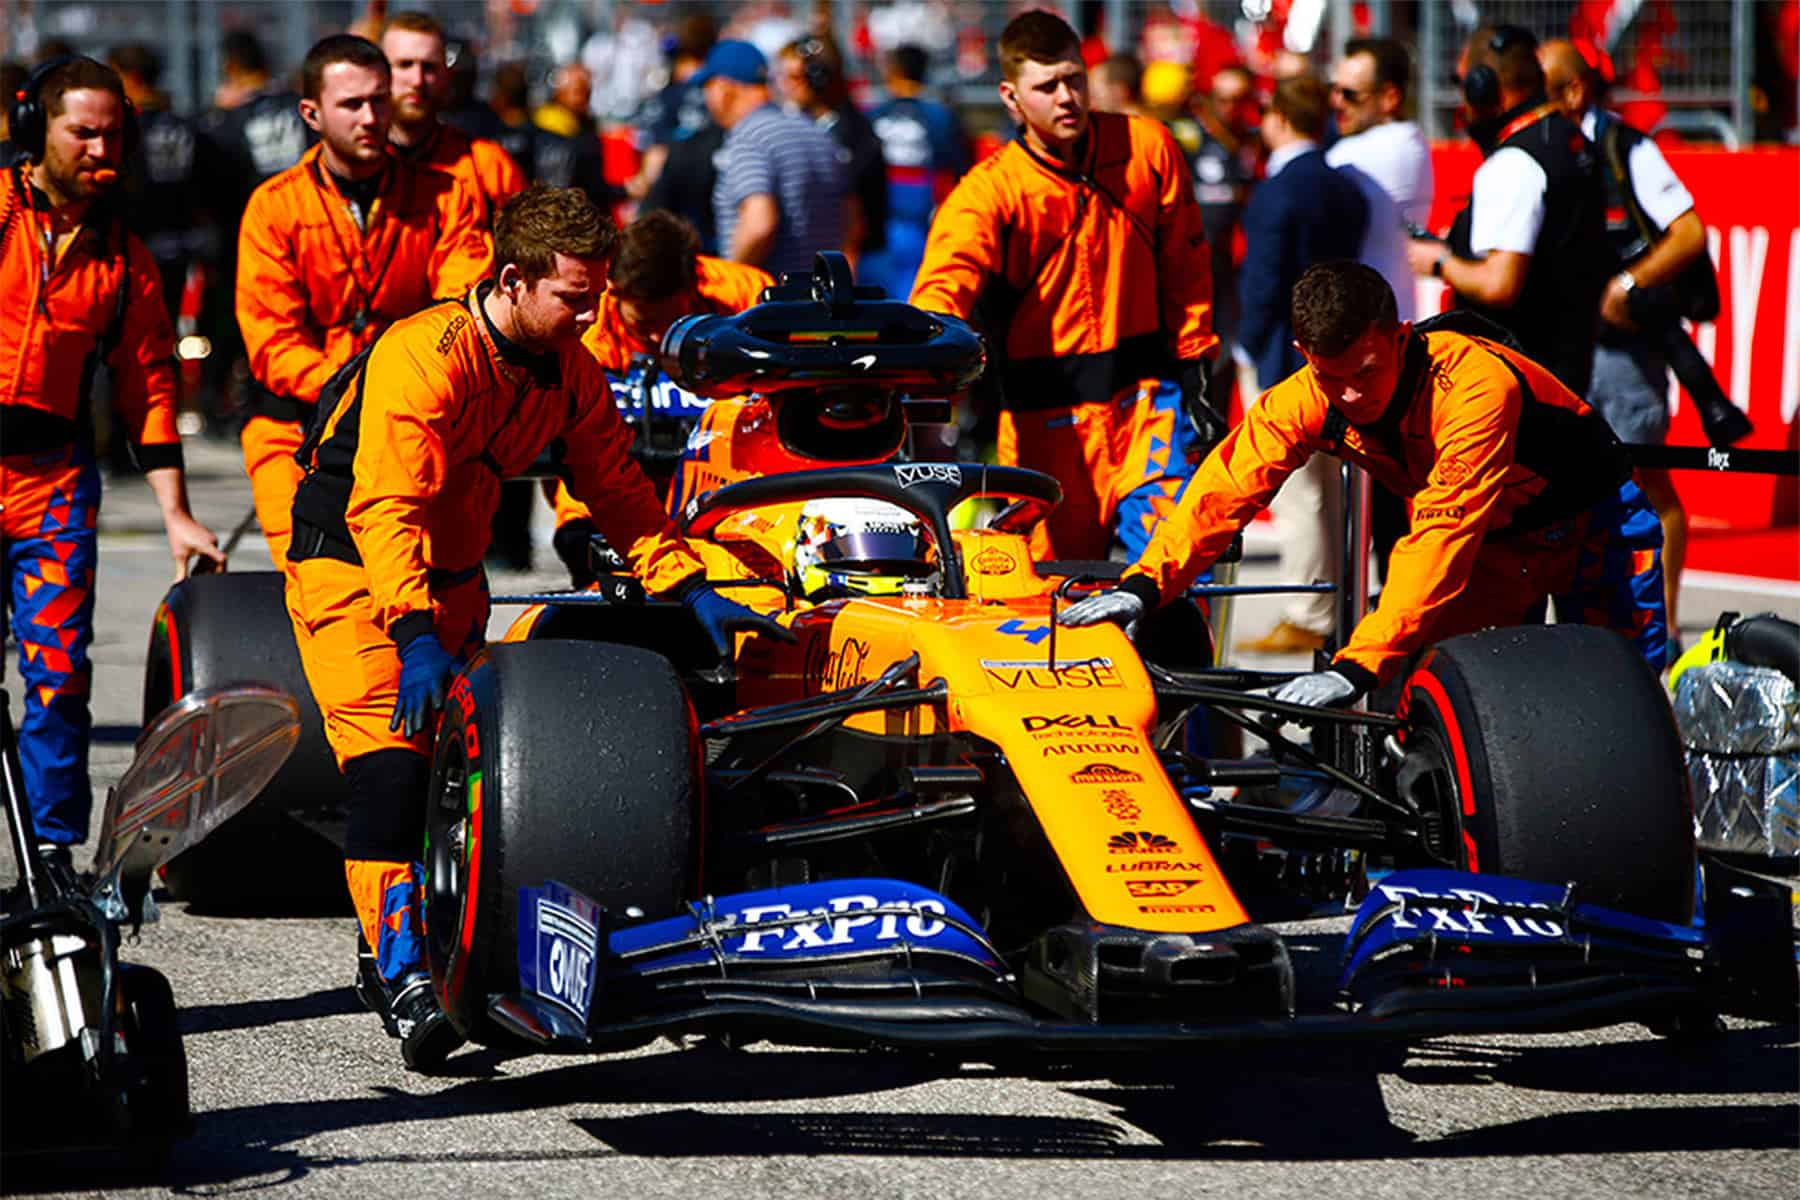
x: 390, y: 526
x: 318, y: 280
x: 1093, y: 286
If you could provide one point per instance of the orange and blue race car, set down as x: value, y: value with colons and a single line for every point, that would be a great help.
x: 940, y: 818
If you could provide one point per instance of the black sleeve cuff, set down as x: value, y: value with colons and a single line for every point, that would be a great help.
x: 1359, y: 675
x: 157, y: 457
x: 687, y: 587
x: 409, y: 628
x: 1144, y: 588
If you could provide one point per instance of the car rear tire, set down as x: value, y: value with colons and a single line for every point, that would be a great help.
x: 1549, y: 753
x: 568, y: 761
x: 212, y: 630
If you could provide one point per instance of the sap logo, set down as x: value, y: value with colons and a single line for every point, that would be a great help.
x: 910, y: 474
x: 450, y: 331
x: 1158, y: 887
x: 1033, y: 634
x: 1056, y: 748
x: 1140, y: 842
x: 1076, y: 721
x: 1132, y: 866
x: 833, y: 925
x: 1100, y: 772
x: 1175, y: 908
x: 1461, y: 912
x: 1078, y: 675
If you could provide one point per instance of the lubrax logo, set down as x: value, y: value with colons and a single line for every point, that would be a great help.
x: 1074, y: 721
x: 1158, y: 887
x: 1140, y: 842
x: 1101, y: 772
x: 1133, y: 865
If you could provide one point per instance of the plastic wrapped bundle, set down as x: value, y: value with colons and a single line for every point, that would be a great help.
x: 1741, y: 727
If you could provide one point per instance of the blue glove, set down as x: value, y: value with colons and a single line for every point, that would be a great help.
x: 721, y: 617
x: 426, y: 669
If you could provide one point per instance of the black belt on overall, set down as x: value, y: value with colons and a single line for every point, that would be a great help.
x: 310, y: 541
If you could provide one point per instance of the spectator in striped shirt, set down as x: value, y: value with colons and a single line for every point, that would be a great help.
x: 782, y: 185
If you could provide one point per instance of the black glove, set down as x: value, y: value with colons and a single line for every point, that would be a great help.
x: 1195, y: 379
x: 573, y: 543
x: 720, y: 617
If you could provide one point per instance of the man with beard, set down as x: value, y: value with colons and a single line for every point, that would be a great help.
x: 414, y: 45
x: 82, y: 291
x: 330, y: 252
x: 385, y: 585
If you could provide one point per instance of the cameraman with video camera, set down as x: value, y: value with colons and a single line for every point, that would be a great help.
x: 1666, y: 275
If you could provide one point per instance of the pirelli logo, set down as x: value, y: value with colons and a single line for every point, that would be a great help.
x: 450, y: 331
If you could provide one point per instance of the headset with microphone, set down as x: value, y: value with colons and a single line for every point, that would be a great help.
x: 29, y: 123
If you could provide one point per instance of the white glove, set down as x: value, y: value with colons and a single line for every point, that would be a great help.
x: 1321, y: 689
x: 1116, y: 605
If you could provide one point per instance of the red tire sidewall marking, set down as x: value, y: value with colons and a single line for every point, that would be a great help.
x: 1433, y: 687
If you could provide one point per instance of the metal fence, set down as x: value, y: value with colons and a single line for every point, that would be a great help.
x: 1702, y: 50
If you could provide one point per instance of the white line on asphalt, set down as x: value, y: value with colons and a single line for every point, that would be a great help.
x: 1755, y: 584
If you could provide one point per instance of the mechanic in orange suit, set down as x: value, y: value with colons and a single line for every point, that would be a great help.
x: 80, y: 290
x: 330, y: 252
x: 658, y: 277
x: 1078, y: 249
x: 414, y: 45
x: 384, y: 577
x: 1516, y: 490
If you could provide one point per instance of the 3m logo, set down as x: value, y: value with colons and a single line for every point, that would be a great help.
x: 450, y: 331
x: 1101, y: 772
x: 1140, y: 842
x: 1143, y: 888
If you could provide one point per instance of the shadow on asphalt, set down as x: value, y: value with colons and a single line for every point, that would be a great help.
x: 1220, y: 1108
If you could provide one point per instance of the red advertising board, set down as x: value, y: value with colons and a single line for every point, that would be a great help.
x: 1750, y: 203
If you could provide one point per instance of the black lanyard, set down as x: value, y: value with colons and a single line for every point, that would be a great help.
x: 365, y: 292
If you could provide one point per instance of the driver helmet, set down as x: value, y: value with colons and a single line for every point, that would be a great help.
x: 853, y: 547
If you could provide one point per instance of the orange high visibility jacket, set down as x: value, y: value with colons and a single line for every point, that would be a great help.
x: 483, y: 165
x: 313, y: 289
x: 1084, y: 281
x: 407, y: 473
x: 721, y: 287
x: 1481, y: 442
x: 58, y: 308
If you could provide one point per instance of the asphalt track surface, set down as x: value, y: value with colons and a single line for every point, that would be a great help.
x: 297, y: 1092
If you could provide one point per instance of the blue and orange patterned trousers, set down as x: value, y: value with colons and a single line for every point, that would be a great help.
x: 49, y: 505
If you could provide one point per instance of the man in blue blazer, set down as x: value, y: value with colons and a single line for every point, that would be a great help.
x: 1302, y: 213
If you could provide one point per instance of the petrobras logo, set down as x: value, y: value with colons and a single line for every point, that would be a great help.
x: 1140, y: 841
x: 1105, y: 772
x: 1132, y: 866
x: 840, y: 921
x: 910, y: 474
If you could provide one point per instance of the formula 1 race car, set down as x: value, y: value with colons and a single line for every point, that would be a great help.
x: 939, y: 818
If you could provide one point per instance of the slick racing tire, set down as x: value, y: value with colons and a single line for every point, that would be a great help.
x: 212, y: 630
x: 1549, y: 753
x: 557, y: 760
x: 157, y: 1098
